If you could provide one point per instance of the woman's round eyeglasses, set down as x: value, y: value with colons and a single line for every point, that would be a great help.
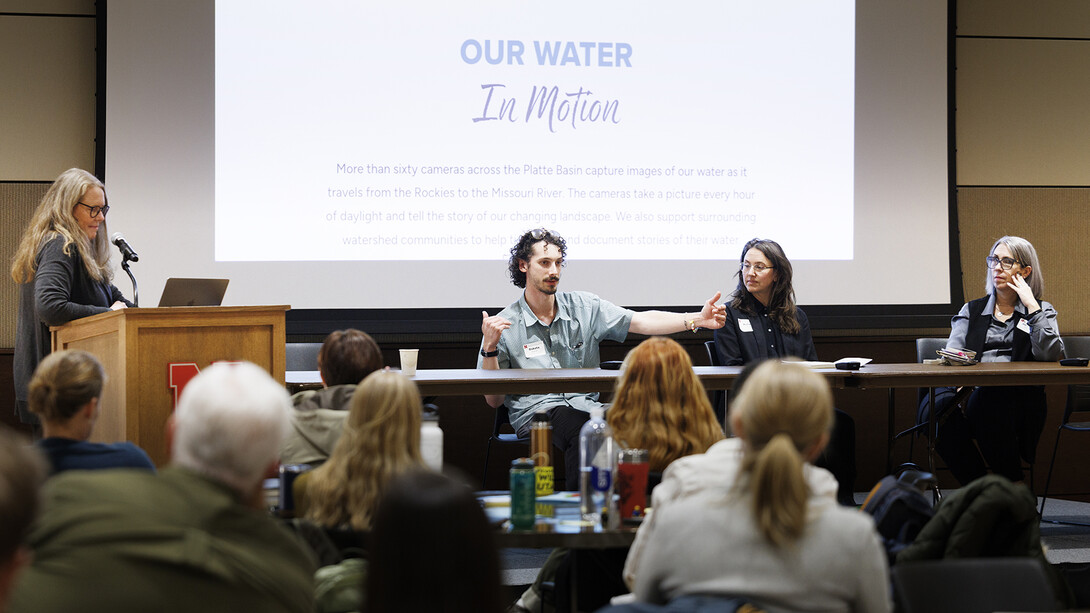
x: 757, y: 268
x: 95, y: 210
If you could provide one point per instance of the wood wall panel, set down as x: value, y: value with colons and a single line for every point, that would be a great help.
x: 17, y: 203
x: 1041, y: 18
x: 1056, y: 221
x: 47, y: 68
x: 1021, y: 112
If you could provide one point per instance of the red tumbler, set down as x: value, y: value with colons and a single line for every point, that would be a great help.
x: 632, y: 471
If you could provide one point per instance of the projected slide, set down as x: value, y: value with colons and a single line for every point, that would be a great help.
x: 440, y: 131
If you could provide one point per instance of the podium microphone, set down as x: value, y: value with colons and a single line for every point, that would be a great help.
x: 127, y: 252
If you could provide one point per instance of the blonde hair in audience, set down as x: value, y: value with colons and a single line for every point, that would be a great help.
x: 660, y: 405
x: 64, y: 383
x: 55, y: 215
x: 381, y: 440
x: 783, y: 414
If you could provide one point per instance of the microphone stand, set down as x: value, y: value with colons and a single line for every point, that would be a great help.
x: 135, y: 291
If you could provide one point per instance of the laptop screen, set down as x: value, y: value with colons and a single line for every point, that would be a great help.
x: 193, y: 292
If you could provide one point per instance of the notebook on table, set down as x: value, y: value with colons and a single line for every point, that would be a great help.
x: 193, y: 292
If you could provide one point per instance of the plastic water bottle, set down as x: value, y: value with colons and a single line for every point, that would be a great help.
x: 596, y: 459
x: 431, y: 438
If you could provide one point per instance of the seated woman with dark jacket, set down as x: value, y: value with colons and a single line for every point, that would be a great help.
x: 763, y: 323
x: 1010, y: 324
x: 66, y: 394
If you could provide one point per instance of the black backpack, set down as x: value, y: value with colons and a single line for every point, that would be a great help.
x: 900, y: 507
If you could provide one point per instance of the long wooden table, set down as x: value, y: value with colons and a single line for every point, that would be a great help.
x: 474, y: 381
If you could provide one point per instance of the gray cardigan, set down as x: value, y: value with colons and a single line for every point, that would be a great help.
x: 61, y: 291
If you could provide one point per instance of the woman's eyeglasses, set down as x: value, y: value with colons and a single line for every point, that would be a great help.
x: 1006, y: 263
x: 95, y: 210
x: 757, y: 268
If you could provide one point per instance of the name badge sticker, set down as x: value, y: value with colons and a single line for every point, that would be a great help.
x: 1023, y: 325
x: 744, y: 325
x: 534, y: 350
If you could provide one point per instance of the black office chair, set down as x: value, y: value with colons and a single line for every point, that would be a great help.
x: 302, y: 356
x: 498, y: 435
x: 1077, y: 408
x: 926, y: 350
x: 973, y: 585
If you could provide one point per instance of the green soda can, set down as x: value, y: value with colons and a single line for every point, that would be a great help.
x: 522, y: 494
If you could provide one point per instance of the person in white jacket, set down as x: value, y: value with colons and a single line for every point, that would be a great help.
x: 752, y: 519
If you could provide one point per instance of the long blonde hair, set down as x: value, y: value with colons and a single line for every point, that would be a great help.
x: 381, y: 440
x: 55, y: 216
x: 782, y: 412
x: 660, y: 405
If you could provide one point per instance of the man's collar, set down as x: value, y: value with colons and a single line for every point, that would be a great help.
x: 528, y: 317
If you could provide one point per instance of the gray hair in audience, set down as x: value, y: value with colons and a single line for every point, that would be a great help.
x: 1023, y: 251
x: 22, y: 470
x: 230, y: 423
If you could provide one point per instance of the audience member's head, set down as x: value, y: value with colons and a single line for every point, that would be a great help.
x: 660, y: 405
x: 431, y: 549
x: 347, y: 356
x: 230, y: 423
x: 740, y: 380
x: 22, y: 470
x: 783, y: 415
x: 381, y: 439
x: 65, y: 390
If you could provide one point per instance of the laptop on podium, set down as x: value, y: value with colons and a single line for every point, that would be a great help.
x: 193, y: 292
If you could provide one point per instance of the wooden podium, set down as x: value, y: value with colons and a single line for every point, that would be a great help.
x: 138, y: 347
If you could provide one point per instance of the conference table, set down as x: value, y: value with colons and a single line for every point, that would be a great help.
x: 473, y: 381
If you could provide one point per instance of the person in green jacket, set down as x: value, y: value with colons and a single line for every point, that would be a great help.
x: 194, y: 538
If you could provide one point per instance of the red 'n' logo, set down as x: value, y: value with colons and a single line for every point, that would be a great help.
x: 179, y: 375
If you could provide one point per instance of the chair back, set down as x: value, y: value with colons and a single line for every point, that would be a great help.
x: 502, y: 419
x: 1078, y: 395
x: 719, y: 397
x: 302, y: 356
x: 973, y: 585
x: 713, y: 354
x: 926, y: 348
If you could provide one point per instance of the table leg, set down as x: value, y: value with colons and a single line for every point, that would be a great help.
x: 932, y: 433
x: 890, y: 431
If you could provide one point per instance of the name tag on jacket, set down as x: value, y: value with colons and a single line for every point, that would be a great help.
x: 744, y: 325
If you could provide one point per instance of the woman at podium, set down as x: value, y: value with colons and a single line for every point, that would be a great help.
x: 63, y: 270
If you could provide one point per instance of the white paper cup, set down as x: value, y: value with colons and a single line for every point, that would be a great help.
x: 408, y: 361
